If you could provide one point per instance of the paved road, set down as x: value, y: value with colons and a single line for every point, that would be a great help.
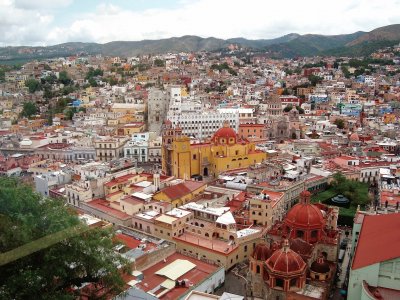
x: 233, y: 284
x: 343, y: 266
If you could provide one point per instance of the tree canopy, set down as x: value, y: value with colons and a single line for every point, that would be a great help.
x: 63, y: 253
x: 64, y: 78
x: 314, y: 79
x: 355, y: 191
x: 33, y: 85
x: 339, y: 123
x: 29, y: 109
x: 159, y: 63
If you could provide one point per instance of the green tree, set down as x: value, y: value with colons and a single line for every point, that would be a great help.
x: 48, y: 94
x: 159, y: 63
x: 61, y: 104
x: 50, y: 119
x: 93, y: 73
x: 288, y: 108
x: 29, y: 109
x: 49, y: 79
x: 68, y: 253
x: 33, y: 85
x: 355, y: 191
x: 300, y: 110
x: 64, y: 78
x: 112, y: 81
x: 69, y: 113
x: 314, y: 79
x: 339, y: 123
x: 346, y: 72
x: 67, y: 90
x: 336, y: 65
x: 92, y: 82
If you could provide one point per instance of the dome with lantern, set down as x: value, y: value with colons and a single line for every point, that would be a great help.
x: 286, y: 269
x: 285, y: 261
x: 225, y: 135
x: 305, y: 220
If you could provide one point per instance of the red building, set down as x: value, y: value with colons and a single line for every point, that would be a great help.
x: 301, y: 255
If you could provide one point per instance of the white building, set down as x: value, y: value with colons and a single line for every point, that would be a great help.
x: 144, y: 147
x: 44, y: 182
x: 203, y: 125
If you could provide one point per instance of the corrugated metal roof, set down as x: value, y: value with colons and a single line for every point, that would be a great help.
x: 176, y: 269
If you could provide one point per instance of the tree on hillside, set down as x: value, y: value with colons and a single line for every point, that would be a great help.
x: 29, y: 109
x: 33, y: 85
x: 339, y: 123
x: 159, y: 63
x: 68, y: 254
x: 64, y: 78
x: 288, y: 108
x: 300, y: 110
x: 314, y: 79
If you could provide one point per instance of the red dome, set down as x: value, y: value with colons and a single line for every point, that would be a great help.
x: 320, y: 266
x: 286, y: 261
x: 354, y: 137
x: 261, y: 252
x: 225, y: 132
x: 306, y: 216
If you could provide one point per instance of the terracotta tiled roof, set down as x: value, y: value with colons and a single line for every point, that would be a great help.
x: 179, y: 190
x: 373, y: 246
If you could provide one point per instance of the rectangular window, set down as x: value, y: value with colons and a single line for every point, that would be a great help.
x: 194, y: 156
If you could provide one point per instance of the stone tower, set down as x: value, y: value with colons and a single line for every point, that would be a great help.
x: 274, y: 106
x: 157, y: 108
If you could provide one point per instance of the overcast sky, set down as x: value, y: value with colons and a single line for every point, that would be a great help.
x: 49, y: 22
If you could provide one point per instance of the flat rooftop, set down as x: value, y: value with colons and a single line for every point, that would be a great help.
x: 151, y: 280
x: 215, y: 245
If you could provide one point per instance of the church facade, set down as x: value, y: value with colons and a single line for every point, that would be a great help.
x: 183, y: 158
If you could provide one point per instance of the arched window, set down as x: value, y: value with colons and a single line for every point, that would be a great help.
x: 279, y: 282
x: 300, y: 234
x: 258, y: 269
x: 293, y: 282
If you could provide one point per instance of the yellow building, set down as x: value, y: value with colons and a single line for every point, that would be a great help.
x: 129, y: 129
x: 266, y: 208
x: 389, y: 118
x: 224, y: 152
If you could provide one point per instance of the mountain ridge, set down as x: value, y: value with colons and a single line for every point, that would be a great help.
x: 289, y: 45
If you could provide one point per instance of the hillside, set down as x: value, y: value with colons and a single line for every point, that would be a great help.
x: 386, y: 33
x: 175, y: 44
x: 290, y: 45
x: 312, y: 44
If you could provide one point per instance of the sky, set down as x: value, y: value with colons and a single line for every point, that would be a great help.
x: 50, y: 22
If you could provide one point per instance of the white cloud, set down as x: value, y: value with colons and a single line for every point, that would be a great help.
x: 22, y: 27
x: 41, y: 4
x: 222, y: 19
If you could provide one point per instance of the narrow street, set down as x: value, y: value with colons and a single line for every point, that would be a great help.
x: 343, y: 266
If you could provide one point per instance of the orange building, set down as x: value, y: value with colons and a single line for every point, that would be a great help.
x: 252, y: 131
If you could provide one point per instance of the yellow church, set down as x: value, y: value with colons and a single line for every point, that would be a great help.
x: 225, y: 151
